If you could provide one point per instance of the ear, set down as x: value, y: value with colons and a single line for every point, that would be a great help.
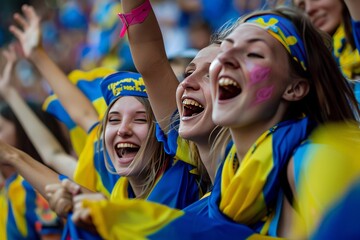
x: 296, y: 90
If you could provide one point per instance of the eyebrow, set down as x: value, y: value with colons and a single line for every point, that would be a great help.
x: 137, y: 112
x: 191, y: 64
x: 250, y: 40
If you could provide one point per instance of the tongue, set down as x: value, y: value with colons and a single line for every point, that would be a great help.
x: 192, y: 110
x: 227, y: 92
x: 127, y: 152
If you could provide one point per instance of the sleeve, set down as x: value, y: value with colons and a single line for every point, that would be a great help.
x: 174, y: 145
x: 85, y: 174
x: 91, y: 171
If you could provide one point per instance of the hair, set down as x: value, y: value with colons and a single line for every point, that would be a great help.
x: 151, y: 149
x: 330, y: 97
x: 347, y: 25
x: 23, y: 142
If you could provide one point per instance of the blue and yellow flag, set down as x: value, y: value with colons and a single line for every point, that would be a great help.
x: 24, y: 212
x: 327, y: 179
x: 89, y: 84
x: 240, y: 204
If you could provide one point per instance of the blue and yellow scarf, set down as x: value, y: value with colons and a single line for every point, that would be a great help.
x: 347, y: 58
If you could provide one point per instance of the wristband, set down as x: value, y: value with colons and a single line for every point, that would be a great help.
x: 137, y: 15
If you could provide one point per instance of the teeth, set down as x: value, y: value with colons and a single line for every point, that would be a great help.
x: 126, y: 145
x: 228, y: 82
x: 192, y: 102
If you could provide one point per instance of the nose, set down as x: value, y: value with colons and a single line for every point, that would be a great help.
x: 310, y: 7
x: 124, y: 130
x: 227, y: 59
x: 190, y: 82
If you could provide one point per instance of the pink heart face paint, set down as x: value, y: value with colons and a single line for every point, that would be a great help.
x: 263, y: 94
x: 258, y: 75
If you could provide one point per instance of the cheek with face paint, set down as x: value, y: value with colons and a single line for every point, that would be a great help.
x: 263, y: 94
x: 259, y: 75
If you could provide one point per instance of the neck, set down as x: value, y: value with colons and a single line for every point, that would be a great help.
x: 245, y: 137
x: 207, y: 160
x: 137, y: 184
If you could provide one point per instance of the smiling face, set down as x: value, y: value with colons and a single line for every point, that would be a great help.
x: 126, y: 130
x: 248, y: 79
x: 324, y: 14
x: 194, y: 98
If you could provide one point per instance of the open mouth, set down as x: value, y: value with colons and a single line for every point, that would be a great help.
x: 191, y: 108
x: 126, y: 150
x: 228, y: 88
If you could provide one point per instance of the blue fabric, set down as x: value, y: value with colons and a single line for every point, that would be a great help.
x: 193, y: 226
x: 356, y: 32
x: 120, y: 84
x: 342, y: 221
x: 169, y: 140
x: 77, y: 233
x: 29, y: 208
x: 108, y: 179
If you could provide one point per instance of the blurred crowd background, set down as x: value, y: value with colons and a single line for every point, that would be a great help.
x: 84, y: 34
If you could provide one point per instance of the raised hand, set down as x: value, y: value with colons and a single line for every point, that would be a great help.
x: 5, y: 77
x: 29, y: 33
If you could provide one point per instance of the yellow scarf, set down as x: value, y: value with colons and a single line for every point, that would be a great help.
x: 249, y: 192
x: 347, y: 57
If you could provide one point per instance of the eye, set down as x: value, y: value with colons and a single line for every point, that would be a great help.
x: 114, y: 120
x: 300, y: 5
x: 255, y: 55
x: 187, y: 73
x: 140, y: 120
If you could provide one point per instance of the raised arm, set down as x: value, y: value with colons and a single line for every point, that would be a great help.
x: 43, y: 140
x: 37, y: 174
x: 148, y: 52
x: 74, y: 101
x: 354, y: 8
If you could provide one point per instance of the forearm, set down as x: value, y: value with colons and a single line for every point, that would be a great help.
x: 77, y: 105
x: 354, y: 8
x: 37, y: 174
x: 148, y: 52
x: 43, y: 140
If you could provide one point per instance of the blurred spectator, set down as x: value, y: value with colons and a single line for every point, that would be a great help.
x: 179, y: 61
x: 199, y: 34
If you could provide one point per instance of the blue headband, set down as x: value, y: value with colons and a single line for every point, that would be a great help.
x: 285, y: 32
x: 120, y: 84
